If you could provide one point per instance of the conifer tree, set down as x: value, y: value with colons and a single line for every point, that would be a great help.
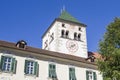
x: 109, y: 47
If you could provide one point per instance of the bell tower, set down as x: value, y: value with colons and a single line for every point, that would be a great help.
x: 66, y: 35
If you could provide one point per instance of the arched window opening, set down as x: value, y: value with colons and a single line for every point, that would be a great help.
x: 67, y: 33
x: 63, y: 25
x: 75, y: 36
x: 79, y: 28
x: 79, y: 37
x: 62, y: 33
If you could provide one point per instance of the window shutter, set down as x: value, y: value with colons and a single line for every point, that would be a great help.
x: 94, y: 76
x: 54, y: 71
x: 36, y: 68
x: 25, y: 66
x: 50, y: 70
x: 13, y: 65
x: 2, y: 62
x: 70, y: 75
x: 73, y: 74
x: 87, y: 76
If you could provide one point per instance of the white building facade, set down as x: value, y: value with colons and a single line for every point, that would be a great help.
x: 64, y: 57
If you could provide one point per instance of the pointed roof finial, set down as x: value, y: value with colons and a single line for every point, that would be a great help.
x: 63, y: 9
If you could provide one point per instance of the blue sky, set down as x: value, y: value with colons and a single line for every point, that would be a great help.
x: 29, y: 19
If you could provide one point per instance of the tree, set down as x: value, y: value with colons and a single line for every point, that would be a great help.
x: 109, y: 47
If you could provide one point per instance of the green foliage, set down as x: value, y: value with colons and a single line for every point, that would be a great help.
x: 109, y: 47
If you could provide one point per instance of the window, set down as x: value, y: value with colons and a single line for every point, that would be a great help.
x: 21, y: 44
x: 77, y: 36
x: 65, y: 34
x: 52, y: 71
x: 79, y: 28
x: 63, y: 25
x: 62, y: 33
x: 72, y: 74
x: 91, y: 75
x: 8, y: 64
x: 31, y: 68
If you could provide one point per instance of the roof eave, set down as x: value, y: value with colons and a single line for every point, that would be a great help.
x: 78, y: 23
x: 62, y: 20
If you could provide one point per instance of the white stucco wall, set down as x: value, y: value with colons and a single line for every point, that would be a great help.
x: 59, y: 43
x: 62, y: 71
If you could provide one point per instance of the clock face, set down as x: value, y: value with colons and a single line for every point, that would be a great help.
x: 72, y: 46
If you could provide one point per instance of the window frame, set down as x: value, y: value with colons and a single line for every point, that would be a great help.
x: 91, y: 74
x: 52, y: 71
x: 34, y: 66
x: 72, y: 75
x: 11, y: 65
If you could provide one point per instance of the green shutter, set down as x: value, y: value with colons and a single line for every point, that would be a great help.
x: 50, y: 70
x: 36, y: 68
x: 94, y: 76
x: 25, y: 66
x: 54, y: 71
x: 12, y: 64
x: 15, y: 67
x: 72, y: 74
x: 87, y: 76
x: 2, y: 62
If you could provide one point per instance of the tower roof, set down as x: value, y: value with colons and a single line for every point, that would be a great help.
x: 66, y: 16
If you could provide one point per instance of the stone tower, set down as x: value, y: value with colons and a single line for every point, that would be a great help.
x: 66, y: 35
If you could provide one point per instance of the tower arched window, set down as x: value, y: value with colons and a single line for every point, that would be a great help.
x: 79, y: 36
x: 62, y: 33
x: 67, y: 34
x: 75, y: 36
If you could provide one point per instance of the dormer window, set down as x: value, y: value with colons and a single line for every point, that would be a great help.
x: 21, y: 44
x: 92, y: 59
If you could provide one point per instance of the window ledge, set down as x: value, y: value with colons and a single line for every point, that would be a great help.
x: 49, y: 78
x: 6, y: 72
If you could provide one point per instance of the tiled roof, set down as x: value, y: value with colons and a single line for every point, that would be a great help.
x: 66, y: 16
x: 95, y: 54
x: 44, y: 52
